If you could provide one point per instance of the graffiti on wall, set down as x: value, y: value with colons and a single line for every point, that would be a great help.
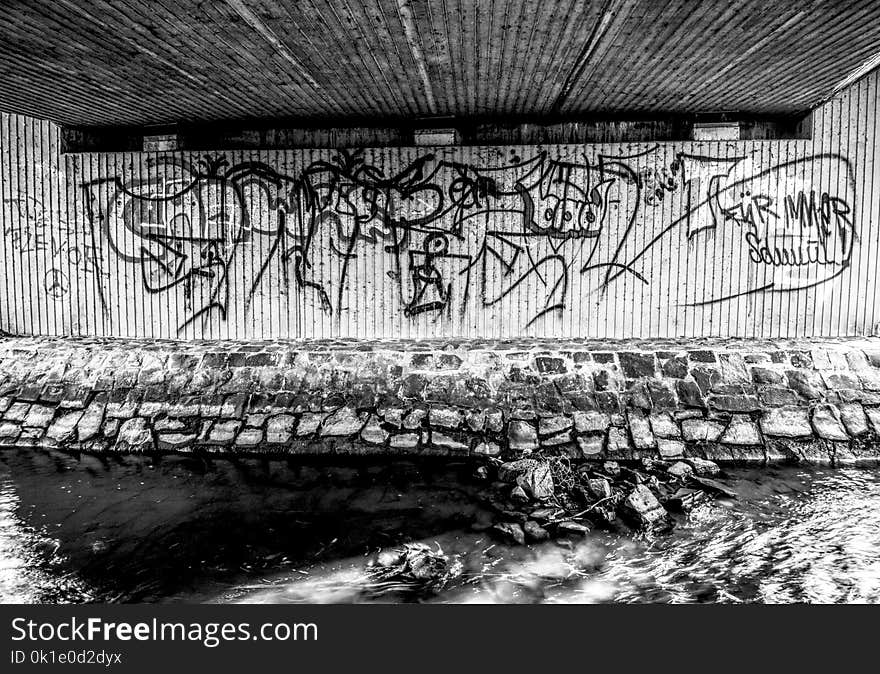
x: 36, y: 232
x: 455, y: 236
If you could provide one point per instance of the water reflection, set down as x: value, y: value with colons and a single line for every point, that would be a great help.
x: 75, y: 530
x: 31, y: 571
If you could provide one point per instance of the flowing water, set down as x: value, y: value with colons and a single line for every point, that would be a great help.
x: 187, y: 529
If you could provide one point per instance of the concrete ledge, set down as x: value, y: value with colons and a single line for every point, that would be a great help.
x: 731, y: 401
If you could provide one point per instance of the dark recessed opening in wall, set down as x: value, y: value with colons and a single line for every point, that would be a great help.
x: 287, y: 135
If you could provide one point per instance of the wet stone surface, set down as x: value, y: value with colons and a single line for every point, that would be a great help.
x: 723, y: 400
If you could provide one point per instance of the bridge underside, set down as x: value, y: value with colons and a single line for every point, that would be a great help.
x: 392, y: 172
x: 135, y: 63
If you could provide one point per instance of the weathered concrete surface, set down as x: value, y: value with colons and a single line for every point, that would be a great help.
x: 728, y: 401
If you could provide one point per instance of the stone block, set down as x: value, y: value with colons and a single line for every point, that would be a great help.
x: 588, y: 422
x: 39, y: 416
x: 606, y: 380
x: 495, y: 421
x: 556, y: 440
x: 775, y: 396
x: 444, y: 417
x: 664, y: 425
x: 635, y: 365
x: 689, y: 393
x: 522, y: 436
x: 249, y: 437
x: 741, y: 431
x: 854, y: 419
x: 175, y: 442
x: 805, y: 383
x: 373, y: 433
x: 820, y: 359
x: 640, y: 430
x: 662, y: 394
x: 838, y: 359
x: 591, y: 445
x: 405, y: 441
x: 223, y: 432
x: 870, y: 379
x: 122, y: 409
x: 547, y: 365
x: 487, y: 449
x: 670, y: 449
x: 733, y: 368
x: 475, y: 420
x: 233, y: 406
x: 308, y: 423
x: 279, y: 428
x: 856, y: 359
x: 701, y: 430
x: 735, y: 403
x: 63, y: 428
x: 553, y: 425
x: 840, y: 380
x: 110, y: 427
x: 412, y: 386
x: 826, y: 422
x: 763, y: 375
x: 786, y: 422
x: 134, y: 436
x: 255, y: 420
x: 9, y: 430
x: 17, y: 412
x: 618, y: 440
x: 448, y: 443
x: 168, y: 424
x: 873, y: 414
x: 675, y: 368
x: 800, y: 359
x: 413, y: 419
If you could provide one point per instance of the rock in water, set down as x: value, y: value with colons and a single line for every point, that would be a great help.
x: 681, y: 470
x: 518, y: 495
x: 684, y: 499
x: 537, y: 481
x: 508, y: 472
x: 569, y: 527
x: 544, y: 514
x: 416, y: 563
x: 599, y: 488
x: 714, y: 487
x: 390, y: 558
x: 704, y: 467
x: 612, y: 468
x: 510, y: 532
x: 642, y: 507
x: 535, y: 532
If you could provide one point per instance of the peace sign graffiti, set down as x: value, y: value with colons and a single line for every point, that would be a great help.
x: 56, y: 284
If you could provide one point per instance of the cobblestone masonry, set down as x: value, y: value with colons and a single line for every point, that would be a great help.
x: 729, y: 401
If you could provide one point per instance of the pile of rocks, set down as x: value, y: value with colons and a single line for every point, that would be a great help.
x: 542, y: 496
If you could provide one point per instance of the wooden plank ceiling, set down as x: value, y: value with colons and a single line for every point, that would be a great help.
x: 145, y: 62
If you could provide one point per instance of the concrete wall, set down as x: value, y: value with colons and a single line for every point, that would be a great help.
x: 750, y: 238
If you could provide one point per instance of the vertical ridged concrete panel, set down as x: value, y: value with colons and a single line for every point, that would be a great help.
x: 748, y: 238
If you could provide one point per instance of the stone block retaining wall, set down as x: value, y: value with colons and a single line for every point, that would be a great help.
x: 730, y: 401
